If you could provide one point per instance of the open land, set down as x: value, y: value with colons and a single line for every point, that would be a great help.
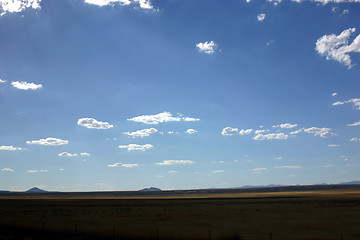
x: 307, y: 212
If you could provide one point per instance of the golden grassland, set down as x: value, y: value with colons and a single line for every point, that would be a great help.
x: 316, y: 214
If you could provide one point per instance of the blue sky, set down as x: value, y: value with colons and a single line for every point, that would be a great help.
x: 127, y: 94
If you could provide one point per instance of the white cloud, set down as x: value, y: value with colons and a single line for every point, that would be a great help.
x: 85, y: 154
x: 354, y: 124
x: 229, y: 131
x: 285, y: 125
x: 66, y: 154
x: 334, y: 145
x: 7, y: 170
x: 175, y: 162
x: 289, y: 167
x: 354, y: 101
x: 136, y: 147
x: 328, y: 1
x: 26, y: 85
x: 93, y: 123
x: 334, y: 94
x: 2, y: 81
x: 278, y: 158
x: 322, y: 132
x: 354, y: 139
x: 261, y: 131
x: 271, y: 136
x: 275, y: 2
x: 296, y: 132
x: 61, y: 169
x: 207, y: 47
x: 34, y: 171
x: 191, y: 131
x: 159, y: 176
x: 218, y: 171
x: 127, y: 165
x: 259, y: 169
x: 261, y: 17
x: 10, y: 148
x: 17, y: 5
x: 142, y: 133
x: 171, y: 172
x: 337, y: 47
x: 160, y: 118
x: 328, y: 165
x: 144, y: 4
x: 49, y: 142
x: 244, y: 132
x: 189, y: 119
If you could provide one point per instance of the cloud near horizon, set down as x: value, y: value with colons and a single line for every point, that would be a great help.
x: 271, y: 136
x: 136, y: 147
x: 127, y: 165
x: 175, y: 162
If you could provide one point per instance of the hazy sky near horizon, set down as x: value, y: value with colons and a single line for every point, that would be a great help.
x: 176, y: 94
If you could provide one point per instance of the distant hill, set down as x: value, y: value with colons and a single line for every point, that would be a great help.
x: 35, y: 190
x: 151, y: 189
x: 353, y: 182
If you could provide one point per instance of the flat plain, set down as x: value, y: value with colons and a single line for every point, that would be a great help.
x: 276, y: 213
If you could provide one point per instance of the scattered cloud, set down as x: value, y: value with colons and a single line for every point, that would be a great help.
x: 141, y: 133
x: 270, y: 42
x: 296, y: 132
x: 334, y: 94
x: 334, y: 145
x: 322, y: 132
x: 48, y: 142
x: 337, y: 47
x: 61, y: 169
x: 66, y: 154
x: 278, y: 158
x: 355, y: 140
x: 229, y: 131
x: 261, y: 131
x: 271, y: 136
x: 244, y: 132
x: 354, y: 101
x: 2, y: 81
x: 207, y: 47
x: 85, y: 154
x: 261, y: 17
x: 175, y: 162
x: 93, y: 123
x: 10, y: 6
x: 144, y: 4
x: 259, y: 169
x: 328, y: 1
x: 218, y: 171
x: 191, y: 131
x: 7, y: 170
x: 35, y: 171
x: 354, y: 124
x: 285, y: 125
x: 275, y: 2
x: 171, y: 172
x: 328, y: 165
x: 160, y: 118
x: 159, y: 176
x: 127, y: 165
x: 26, y: 85
x: 136, y: 147
x: 289, y: 167
x: 10, y: 148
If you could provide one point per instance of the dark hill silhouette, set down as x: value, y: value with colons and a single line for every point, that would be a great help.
x: 35, y: 190
x: 151, y: 189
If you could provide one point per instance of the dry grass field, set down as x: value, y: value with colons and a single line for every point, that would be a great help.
x: 316, y: 214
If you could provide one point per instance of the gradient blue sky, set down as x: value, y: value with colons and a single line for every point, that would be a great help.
x: 176, y: 94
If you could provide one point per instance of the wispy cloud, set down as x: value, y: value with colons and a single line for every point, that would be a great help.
x: 66, y: 154
x: 35, y: 171
x: 334, y: 94
x: 207, y: 47
x: 144, y: 4
x: 93, y: 123
x: 285, y: 125
x: 26, y: 85
x: 10, y: 148
x: 2, y: 81
x: 7, y: 170
x: 337, y: 47
x: 354, y: 139
x: 191, y: 131
x: 218, y: 171
x: 354, y: 124
x: 229, y: 131
x: 334, y: 145
x: 175, y: 162
x: 7, y: 6
x: 271, y: 136
x: 141, y: 133
x: 136, y: 147
x: 160, y: 118
x: 354, y: 101
x: 259, y: 169
x: 261, y: 17
x: 48, y: 142
x: 126, y: 165
x: 289, y: 167
x: 172, y: 172
x: 85, y: 154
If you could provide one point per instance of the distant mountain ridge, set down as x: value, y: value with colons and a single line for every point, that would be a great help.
x: 151, y: 189
x: 35, y: 190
